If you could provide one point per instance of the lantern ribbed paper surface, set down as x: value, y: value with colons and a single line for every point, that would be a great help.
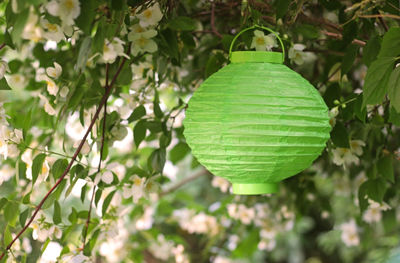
x: 256, y: 122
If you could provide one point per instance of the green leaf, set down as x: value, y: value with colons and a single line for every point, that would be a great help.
x: 107, y: 202
x: 84, y: 20
x: 339, y: 136
x: 359, y: 110
x: 57, y: 213
x: 37, y: 165
x: 139, y: 132
x: 371, y: 50
x: 11, y: 212
x: 23, y: 216
x: 3, y: 202
x: 375, y: 86
x: 183, y: 23
x: 390, y: 43
x: 385, y: 167
x: 83, y: 54
x: 98, y: 40
x: 307, y: 31
x: 19, y: 25
x: 118, y: 4
x: 157, y: 160
x: 394, y: 116
x: 59, y: 167
x: 7, y: 236
x: 157, y: 110
x: 4, y: 85
x: 373, y: 189
x: 394, y: 89
x: 214, y: 63
x: 281, y: 8
x: 349, y: 57
x: 137, y: 113
x: 178, y: 152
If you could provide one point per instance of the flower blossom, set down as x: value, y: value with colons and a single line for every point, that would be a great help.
x: 349, y: 234
x: 262, y: 42
x: 296, y: 54
x: 150, y: 16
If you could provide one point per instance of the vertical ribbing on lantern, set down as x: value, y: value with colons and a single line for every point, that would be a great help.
x: 256, y: 123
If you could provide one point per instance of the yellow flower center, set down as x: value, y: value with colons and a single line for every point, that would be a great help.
x: 69, y: 4
x: 142, y: 41
x: 147, y: 13
x: 44, y: 169
x: 137, y: 181
x: 260, y: 41
x: 52, y: 27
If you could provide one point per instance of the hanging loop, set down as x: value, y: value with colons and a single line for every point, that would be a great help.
x: 254, y: 27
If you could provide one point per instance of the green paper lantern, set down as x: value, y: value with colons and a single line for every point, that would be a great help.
x: 256, y: 122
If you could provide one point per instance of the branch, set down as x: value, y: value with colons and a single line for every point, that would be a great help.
x: 95, y: 116
x: 184, y: 181
x: 86, y: 228
x: 380, y: 16
x: 214, y: 29
x: 2, y: 45
x: 340, y: 36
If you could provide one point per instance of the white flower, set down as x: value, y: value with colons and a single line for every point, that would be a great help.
x: 141, y: 41
x: 16, y: 81
x: 6, y: 172
x: 263, y: 42
x: 221, y: 183
x: 31, y: 30
x: 66, y: 10
x: 137, y: 190
x: 246, y: 215
x: 113, y: 49
x: 54, y: 72
x: 39, y: 233
x: 343, y: 156
x: 374, y: 211
x: 52, y: 88
x: 220, y: 259
x: 3, y: 68
x: 107, y: 177
x: 347, y: 156
x: 349, y: 234
x: 64, y: 92
x: 52, y: 31
x: 267, y: 244
x: 26, y: 245
x: 85, y: 148
x: 296, y: 53
x: 75, y: 258
x: 47, y: 106
x: 150, y: 16
x: 51, y: 253
x: 161, y: 249
x: 356, y: 146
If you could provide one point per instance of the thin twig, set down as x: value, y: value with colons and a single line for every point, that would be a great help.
x: 103, y: 135
x: 2, y: 45
x: 184, y: 181
x: 214, y: 29
x: 340, y: 36
x: 95, y: 116
x: 380, y: 16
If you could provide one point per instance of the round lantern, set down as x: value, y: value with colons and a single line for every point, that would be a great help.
x: 256, y: 122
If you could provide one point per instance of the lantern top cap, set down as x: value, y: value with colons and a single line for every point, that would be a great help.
x: 266, y: 54
x: 256, y: 56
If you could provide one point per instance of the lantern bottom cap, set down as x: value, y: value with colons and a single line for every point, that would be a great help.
x: 255, y: 189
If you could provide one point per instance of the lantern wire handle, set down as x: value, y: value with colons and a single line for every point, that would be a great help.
x: 254, y: 27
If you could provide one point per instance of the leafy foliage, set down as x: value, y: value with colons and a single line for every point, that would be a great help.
x: 131, y: 191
